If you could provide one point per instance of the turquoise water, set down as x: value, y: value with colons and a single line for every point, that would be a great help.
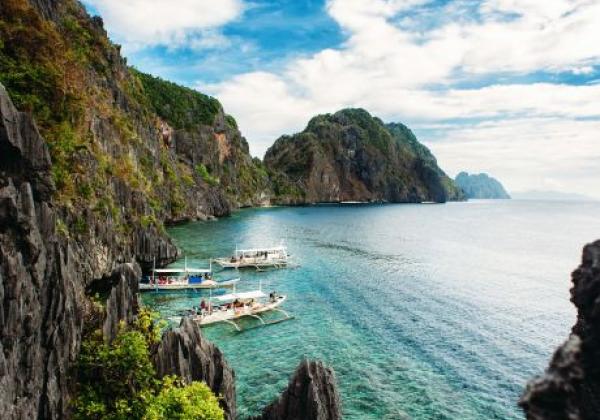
x: 424, y: 311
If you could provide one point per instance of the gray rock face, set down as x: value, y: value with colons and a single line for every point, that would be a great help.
x: 311, y: 395
x: 40, y: 311
x: 570, y: 388
x: 186, y: 353
x: 481, y: 186
x: 121, y: 304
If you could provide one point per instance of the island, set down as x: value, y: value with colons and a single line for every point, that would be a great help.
x: 353, y: 156
x: 481, y: 186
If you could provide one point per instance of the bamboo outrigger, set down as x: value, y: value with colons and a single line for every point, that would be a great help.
x: 185, y: 278
x: 256, y: 257
x: 230, y: 308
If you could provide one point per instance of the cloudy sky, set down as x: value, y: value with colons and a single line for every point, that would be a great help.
x: 508, y: 87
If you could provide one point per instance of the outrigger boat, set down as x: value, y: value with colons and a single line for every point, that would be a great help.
x: 230, y: 308
x: 257, y: 257
x: 186, y: 278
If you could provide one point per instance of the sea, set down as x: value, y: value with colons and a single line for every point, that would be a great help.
x: 424, y: 311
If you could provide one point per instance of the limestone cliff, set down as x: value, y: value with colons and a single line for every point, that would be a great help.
x: 352, y: 156
x: 91, y: 168
x: 480, y: 186
x: 570, y: 388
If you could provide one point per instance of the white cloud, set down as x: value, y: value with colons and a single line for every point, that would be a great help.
x: 142, y: 23
x: 391, y: 71
x: 527, y: 153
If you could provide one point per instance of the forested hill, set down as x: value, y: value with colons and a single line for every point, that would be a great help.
x: 353, y: 156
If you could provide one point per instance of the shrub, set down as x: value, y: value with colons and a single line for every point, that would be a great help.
x: 174, y: 401
x: 118, y: 381
x: 85, y: 190
x: 202, y: 171
x: 231, y: 122
x: 180, y: 106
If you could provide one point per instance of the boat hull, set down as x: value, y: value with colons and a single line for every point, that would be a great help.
x: 226, y: 263
x: 174, y: 287
x: 230, y: 315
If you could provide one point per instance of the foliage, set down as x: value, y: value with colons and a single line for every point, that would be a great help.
x: 231, y: 122
x: 181, y: 107
x: 117, y: 380
x: 202, y: 171
x: 61, y: 228
x: 175, y: 401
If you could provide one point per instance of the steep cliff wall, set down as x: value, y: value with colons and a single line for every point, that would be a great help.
x: 85, y: 193
x: 41, y: 283
x: 352, y: 156
x: 570, y: 388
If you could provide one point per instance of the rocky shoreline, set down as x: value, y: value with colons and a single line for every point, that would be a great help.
x: 46, y: 278
x: 570, y: 387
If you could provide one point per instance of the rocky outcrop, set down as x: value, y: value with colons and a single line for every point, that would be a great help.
x: 570, y: 388
x: 122, y: 304
x: 40, y: 291
x: 352, y: 156
x: 480, y: 186
x: 186, y: 353
x: 311, y: 395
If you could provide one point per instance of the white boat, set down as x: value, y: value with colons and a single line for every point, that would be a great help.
x: 186, y: 278
x: 256, y: 257
x: 232, y: 307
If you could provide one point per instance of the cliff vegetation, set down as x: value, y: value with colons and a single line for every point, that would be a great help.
x: 353, y: 156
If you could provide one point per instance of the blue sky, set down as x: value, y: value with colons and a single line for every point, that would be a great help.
x: 509, y: 87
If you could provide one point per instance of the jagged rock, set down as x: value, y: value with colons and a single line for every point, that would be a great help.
x: 122, y: 304
x: 311, y: 395
x: 570, y: 388
x: 40, y: 311
x: 186, y: 353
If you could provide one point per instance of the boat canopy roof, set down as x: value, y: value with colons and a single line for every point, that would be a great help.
x: 182, y: 270
x: 254, y: 294
x: 279, y: 248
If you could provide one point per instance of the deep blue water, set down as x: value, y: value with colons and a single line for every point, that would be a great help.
x: 424, y: 311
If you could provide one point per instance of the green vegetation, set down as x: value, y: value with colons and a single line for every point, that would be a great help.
x: 181, y: 107
x: 117, y: 380
x: 202, y: 171
x: 231, y: 122
x: 95, y: 114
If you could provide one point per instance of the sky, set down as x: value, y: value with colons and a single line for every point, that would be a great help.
x: 506, y: 87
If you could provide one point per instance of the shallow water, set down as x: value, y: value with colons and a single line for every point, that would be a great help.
x: 424, y: 311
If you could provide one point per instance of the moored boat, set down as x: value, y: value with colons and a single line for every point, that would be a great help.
x: 256, y: 257
x: 230, y: 308
x: 182, y: 279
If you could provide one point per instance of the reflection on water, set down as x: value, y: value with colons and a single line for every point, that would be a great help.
x: 437, y: 311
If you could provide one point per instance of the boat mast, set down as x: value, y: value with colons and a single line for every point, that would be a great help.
x: 153, y: 269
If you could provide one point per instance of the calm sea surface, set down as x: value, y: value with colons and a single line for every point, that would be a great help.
x: 424, y: 311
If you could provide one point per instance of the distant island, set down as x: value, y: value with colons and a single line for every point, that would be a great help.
x: 353, y: 156
x: 481, y: 186
x: 550, y: 196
